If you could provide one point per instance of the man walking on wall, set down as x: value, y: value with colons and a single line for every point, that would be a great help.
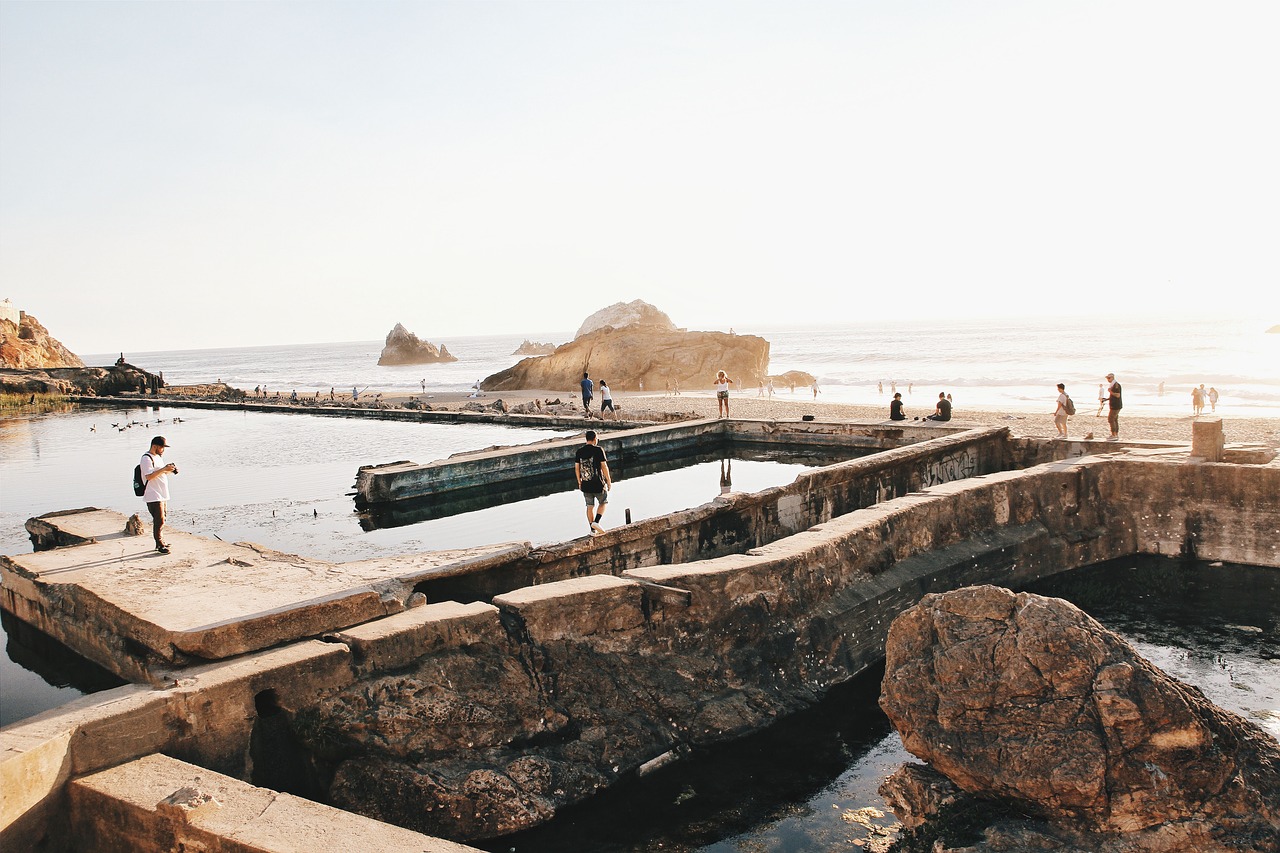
x: 157, y: 494
x: 592, y: 471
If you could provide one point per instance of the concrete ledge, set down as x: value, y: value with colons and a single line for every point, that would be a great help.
x: 593, y: 606
x: 398, y: 640
x: 158, y: 804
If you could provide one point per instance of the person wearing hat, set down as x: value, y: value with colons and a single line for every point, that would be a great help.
x: 1114, y: 405
x: 156, y: 477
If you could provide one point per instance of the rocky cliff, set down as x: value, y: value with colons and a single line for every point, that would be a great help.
x: 100, y: 381
x: 28, y: 344
x: 636, y: 356
x: 1028, y: 700
x: 621, y: 314
x: 404, y: 347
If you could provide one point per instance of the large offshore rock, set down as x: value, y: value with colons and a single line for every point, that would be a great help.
x: 622, y: 314
x: 630, y: 356
x: 27, y: 344
x: 404, y: 347
x: 1028, y: 699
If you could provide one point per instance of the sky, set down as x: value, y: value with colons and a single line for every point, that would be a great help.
x: 207, y: 174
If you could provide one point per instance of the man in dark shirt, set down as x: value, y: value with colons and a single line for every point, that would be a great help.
x: 1114, y: 405
x: 942, y: 412
x: 592, y: 471
x: 586, y: 393
x: 895, y: 408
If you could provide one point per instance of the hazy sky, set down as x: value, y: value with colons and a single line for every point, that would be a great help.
x: 182, y: 175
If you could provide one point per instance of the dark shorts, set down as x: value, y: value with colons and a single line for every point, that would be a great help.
x: 607, y: 404
x: 586, y: 401
x: 592, y: 498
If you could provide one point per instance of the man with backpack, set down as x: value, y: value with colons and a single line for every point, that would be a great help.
x: 156, y: 493
x: 1065, y: 409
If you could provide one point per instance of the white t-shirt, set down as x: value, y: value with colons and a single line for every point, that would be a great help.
x: 158, y: 486
x: 604, y: 392
x: 722, y: 386
x: 1062, y: 404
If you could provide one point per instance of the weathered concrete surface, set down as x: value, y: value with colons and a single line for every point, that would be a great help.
x: 158, y: 804
x: 207, y: 716
x: 132, y: 610
x: 1027, y: 698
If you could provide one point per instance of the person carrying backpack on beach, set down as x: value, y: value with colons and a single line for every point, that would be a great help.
x: 1065, y: 409
x: 156, y: 493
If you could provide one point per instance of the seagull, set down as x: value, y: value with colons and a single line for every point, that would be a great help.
x: 93, y: 428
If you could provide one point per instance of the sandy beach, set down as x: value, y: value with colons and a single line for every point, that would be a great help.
x: 1133, y: 424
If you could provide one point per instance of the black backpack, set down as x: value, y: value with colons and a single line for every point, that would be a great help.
x: 1070, y: 406
x: 139, y: 484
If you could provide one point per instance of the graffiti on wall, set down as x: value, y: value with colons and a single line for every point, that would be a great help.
x: 949, y: 468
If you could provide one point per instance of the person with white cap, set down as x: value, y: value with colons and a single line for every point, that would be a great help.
x: 1114, y: 404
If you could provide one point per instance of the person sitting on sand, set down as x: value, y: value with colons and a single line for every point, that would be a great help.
x: 895, y: 409
x: 722, y: 384
x: 941, y: 412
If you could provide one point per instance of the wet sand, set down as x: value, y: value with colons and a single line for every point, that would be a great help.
x: 1133, y: 424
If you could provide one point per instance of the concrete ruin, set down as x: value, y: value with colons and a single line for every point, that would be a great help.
x: 471, y: 694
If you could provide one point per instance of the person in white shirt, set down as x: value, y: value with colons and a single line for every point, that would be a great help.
x: 722, y: 384
x: 156, y: 477
x: 1060, y: 413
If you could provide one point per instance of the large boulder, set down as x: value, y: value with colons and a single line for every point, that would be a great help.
x: 622, y: 314
x: 404, y: 347
x: 1027, y: 699
x: 27, y: 344
x: 632, y: 355
x: 99, y: 381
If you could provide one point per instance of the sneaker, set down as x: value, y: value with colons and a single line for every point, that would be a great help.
x: 595, y: 528
x: 1113, y: 438
x: 162, y: 549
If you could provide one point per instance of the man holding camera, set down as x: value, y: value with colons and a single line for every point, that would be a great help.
x: 157, y: 494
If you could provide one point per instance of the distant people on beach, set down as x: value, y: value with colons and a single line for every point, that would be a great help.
x: 1213, y: 399
x: 722, y: 384
x: 156, y: 495
x: 355, y: 394
x: 1115, y: 402
x: 424, y: 386
x: 1197, y: 400
x: 895, y: 409
x: 587, y: 389
x: 760, y: 388
x: 770, y: 386
x: 591, y: 469
x: 815, y: 389
x: 293, y: 396
x: 606, y: 400
x: 942, y: 411
x: 911, y: 386
x: 1102, y: 398
x: 120, y: 360
x: 475, y: 390
x: 880, y: 387
x: 1160, y: 390
x: 1060, y: 413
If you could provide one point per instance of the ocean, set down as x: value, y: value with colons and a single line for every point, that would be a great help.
x: 1006, y: 365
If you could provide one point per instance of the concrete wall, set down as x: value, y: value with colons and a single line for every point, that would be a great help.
x: 473, y: 719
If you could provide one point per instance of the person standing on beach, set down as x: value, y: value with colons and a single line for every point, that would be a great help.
x: 1060, y: 413
x: 1115, y: 403
x: 815, y: 389
x: 606, y: 400
x: 587, y: 388
x: 722, y: 384
x: 1102, y: 399
x: 942, y: 411
x: 156, y: 477
x: 1213, y: 399
x: 591, y: 469
x: 895, y: 409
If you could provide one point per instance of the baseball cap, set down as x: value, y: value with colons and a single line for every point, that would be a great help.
x: 159, y: 441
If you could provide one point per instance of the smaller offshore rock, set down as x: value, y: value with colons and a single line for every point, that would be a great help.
x: 1028, y: 700
x: 529, y: 347
x: 404, y: 347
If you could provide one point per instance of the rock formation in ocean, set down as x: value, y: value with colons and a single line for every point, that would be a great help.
x: 24, y: 343
x: 1028, y: 700
x: 621, y: 314
x: 404, y: 347
x: 797, y: 378
x: 529, y: 347
x: 646, y: 351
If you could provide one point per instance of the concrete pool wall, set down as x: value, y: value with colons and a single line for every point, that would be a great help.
x: 471, y: 720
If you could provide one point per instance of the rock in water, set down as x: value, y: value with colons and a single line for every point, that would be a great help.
x: 1027, y: 698
x: 404, y: 347
x: 528, y: 347
x: 622, y: 314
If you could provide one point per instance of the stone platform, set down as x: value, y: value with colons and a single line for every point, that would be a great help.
x: 139, y: 613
